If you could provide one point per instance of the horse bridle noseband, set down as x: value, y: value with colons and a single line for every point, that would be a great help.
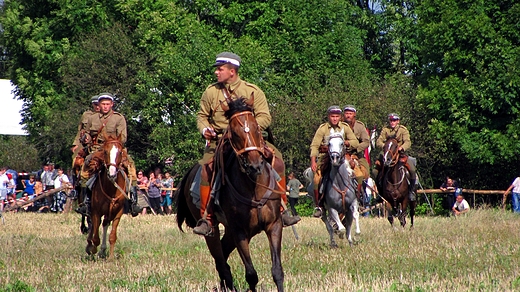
x: 239, y: 150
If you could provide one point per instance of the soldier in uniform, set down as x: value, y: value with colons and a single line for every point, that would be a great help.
x: 360, y: 131
x: 77, y: 147
x: 211, y: 123
x: 111, y: 123
x: 334, y: 122
x: 400, y: 132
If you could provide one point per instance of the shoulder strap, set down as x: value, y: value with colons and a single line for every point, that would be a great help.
x: 102, y: 127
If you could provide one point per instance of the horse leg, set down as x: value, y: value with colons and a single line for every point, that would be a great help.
x: 93, y: 236
x: 113, y: 234
x: 412, y: 212
x: 103, y: 250
x: 349, y: 217
x: 354, y: 208
x: 333, y: 243
x: 242, y: 244
x: 390, y: 216
x: 402, y: 213
x: 220, y: 250
x: 83, y: 227
x: 274, y: 235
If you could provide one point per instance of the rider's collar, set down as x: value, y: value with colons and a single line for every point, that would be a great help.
x: 231, y: 87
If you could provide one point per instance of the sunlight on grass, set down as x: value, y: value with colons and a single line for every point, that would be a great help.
x: 480, y: 251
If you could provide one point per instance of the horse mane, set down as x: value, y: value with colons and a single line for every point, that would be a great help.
x: 237, y: 106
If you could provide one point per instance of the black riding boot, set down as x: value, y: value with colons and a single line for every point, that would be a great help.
x: 84, y: 209
x: 134, y: 209
x: 411, y: 190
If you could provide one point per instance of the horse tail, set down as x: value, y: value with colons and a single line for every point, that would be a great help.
x: 183, y: 210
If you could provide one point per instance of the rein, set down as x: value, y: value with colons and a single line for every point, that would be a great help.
x: 342, y: 192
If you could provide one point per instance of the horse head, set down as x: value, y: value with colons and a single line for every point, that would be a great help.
x: 112, y: 154
x: 244, y: 134
x: 390, y: 152
x: 336, y: 147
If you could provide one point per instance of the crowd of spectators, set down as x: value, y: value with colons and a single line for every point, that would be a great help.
x: 16, y: 189
x: 155, y: 192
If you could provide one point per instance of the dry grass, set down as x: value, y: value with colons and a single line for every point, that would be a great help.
x: 479, y: 252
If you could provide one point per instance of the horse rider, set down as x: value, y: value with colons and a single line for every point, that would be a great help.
x: 360, y: 131
x: 318, y: 154
x: 211, y: 123
x: 401, y: 134
x: 111, y: 123
x: 77, y: 147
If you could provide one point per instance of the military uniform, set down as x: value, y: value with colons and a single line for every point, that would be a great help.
x: 399, y: 132
x: 361, y: 134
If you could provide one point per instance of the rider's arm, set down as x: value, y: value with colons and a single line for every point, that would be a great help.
x: 353, y: 142
x: 261, y: 109
x: 380, y: 143
x: 406, y: 139
x: 365, y: 141
x: 204, y: 113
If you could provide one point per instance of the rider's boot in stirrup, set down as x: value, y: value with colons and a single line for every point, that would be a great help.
x: 289, y: 220
x: 134, y: 209
x: 84, y: 209
x: 205, y: 224
x: 317, y: 211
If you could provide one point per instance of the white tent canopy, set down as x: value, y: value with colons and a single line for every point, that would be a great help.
x: 10, y: 108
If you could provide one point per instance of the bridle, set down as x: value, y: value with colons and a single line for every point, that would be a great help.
x: 341, y: 152
x: 389, y: 150
x: 251, y: 142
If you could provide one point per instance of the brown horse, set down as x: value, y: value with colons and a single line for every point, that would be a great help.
x: 393, y: 181
x: 248, y: 198
x: 108, y: 194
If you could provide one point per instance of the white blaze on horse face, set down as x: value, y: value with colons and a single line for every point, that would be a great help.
x: 113, y: 155
x: 387, y: 152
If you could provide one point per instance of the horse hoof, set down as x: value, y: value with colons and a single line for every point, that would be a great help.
x: 84, y: 229
x: 333, y: 245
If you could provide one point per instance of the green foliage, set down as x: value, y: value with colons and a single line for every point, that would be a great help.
x: 17, y: 286
x: 18, y: 153
x: 305, y: 206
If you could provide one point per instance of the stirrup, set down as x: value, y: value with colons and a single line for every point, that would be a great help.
x: 135, y: 209
x: 317, y: 212
x: 203, y: 228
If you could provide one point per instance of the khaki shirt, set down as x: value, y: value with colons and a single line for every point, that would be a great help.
x: 84, y: 119
x: 324, y: 131
x: 211, y: 113
x: 401, y: 134
x: 115, y: 125
x: 361, y: 134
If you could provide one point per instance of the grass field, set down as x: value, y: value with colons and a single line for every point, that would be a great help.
x: 479, y: 252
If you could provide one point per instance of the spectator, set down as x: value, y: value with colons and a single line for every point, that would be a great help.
x: 461, y: 206
x: 371, y: 192
x: 4, y: 181
x: 451, y: 186
x: 142, y: 195
x: 154, y: 193
x: 167, y: 202
x: 28, y: 186
x: 59, y: 197
x: 293, y: 186
x: 38, y: 190
x: 515, y: 196
x: 48, y: 184
x: 11, y: 187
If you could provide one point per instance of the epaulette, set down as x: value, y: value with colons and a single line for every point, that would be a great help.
x: 403, y: 127
x: 361, y: 123
x: 213, y: 85
x: 117, y: 113
x: 252, y: 85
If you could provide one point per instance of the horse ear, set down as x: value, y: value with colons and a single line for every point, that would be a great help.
x: 251, y: 101
x: 224, y: 106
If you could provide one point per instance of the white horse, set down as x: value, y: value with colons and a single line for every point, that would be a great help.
x: 339, y: 187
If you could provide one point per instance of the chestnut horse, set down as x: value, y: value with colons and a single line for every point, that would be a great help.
x: 393, y: 182
x: 248, y: 197
x: 108, y: 194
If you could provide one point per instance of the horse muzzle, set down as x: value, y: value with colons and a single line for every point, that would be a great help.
x: 335, y: 158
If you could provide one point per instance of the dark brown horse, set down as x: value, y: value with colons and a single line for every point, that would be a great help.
x: 108, y: 194
x: 248, y: 200
x: 393, y: 181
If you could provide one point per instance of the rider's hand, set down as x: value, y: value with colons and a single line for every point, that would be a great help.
x: 314, y: 166
x: 209, y: 133
x: 74, y: 148
x: 347, y: 143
